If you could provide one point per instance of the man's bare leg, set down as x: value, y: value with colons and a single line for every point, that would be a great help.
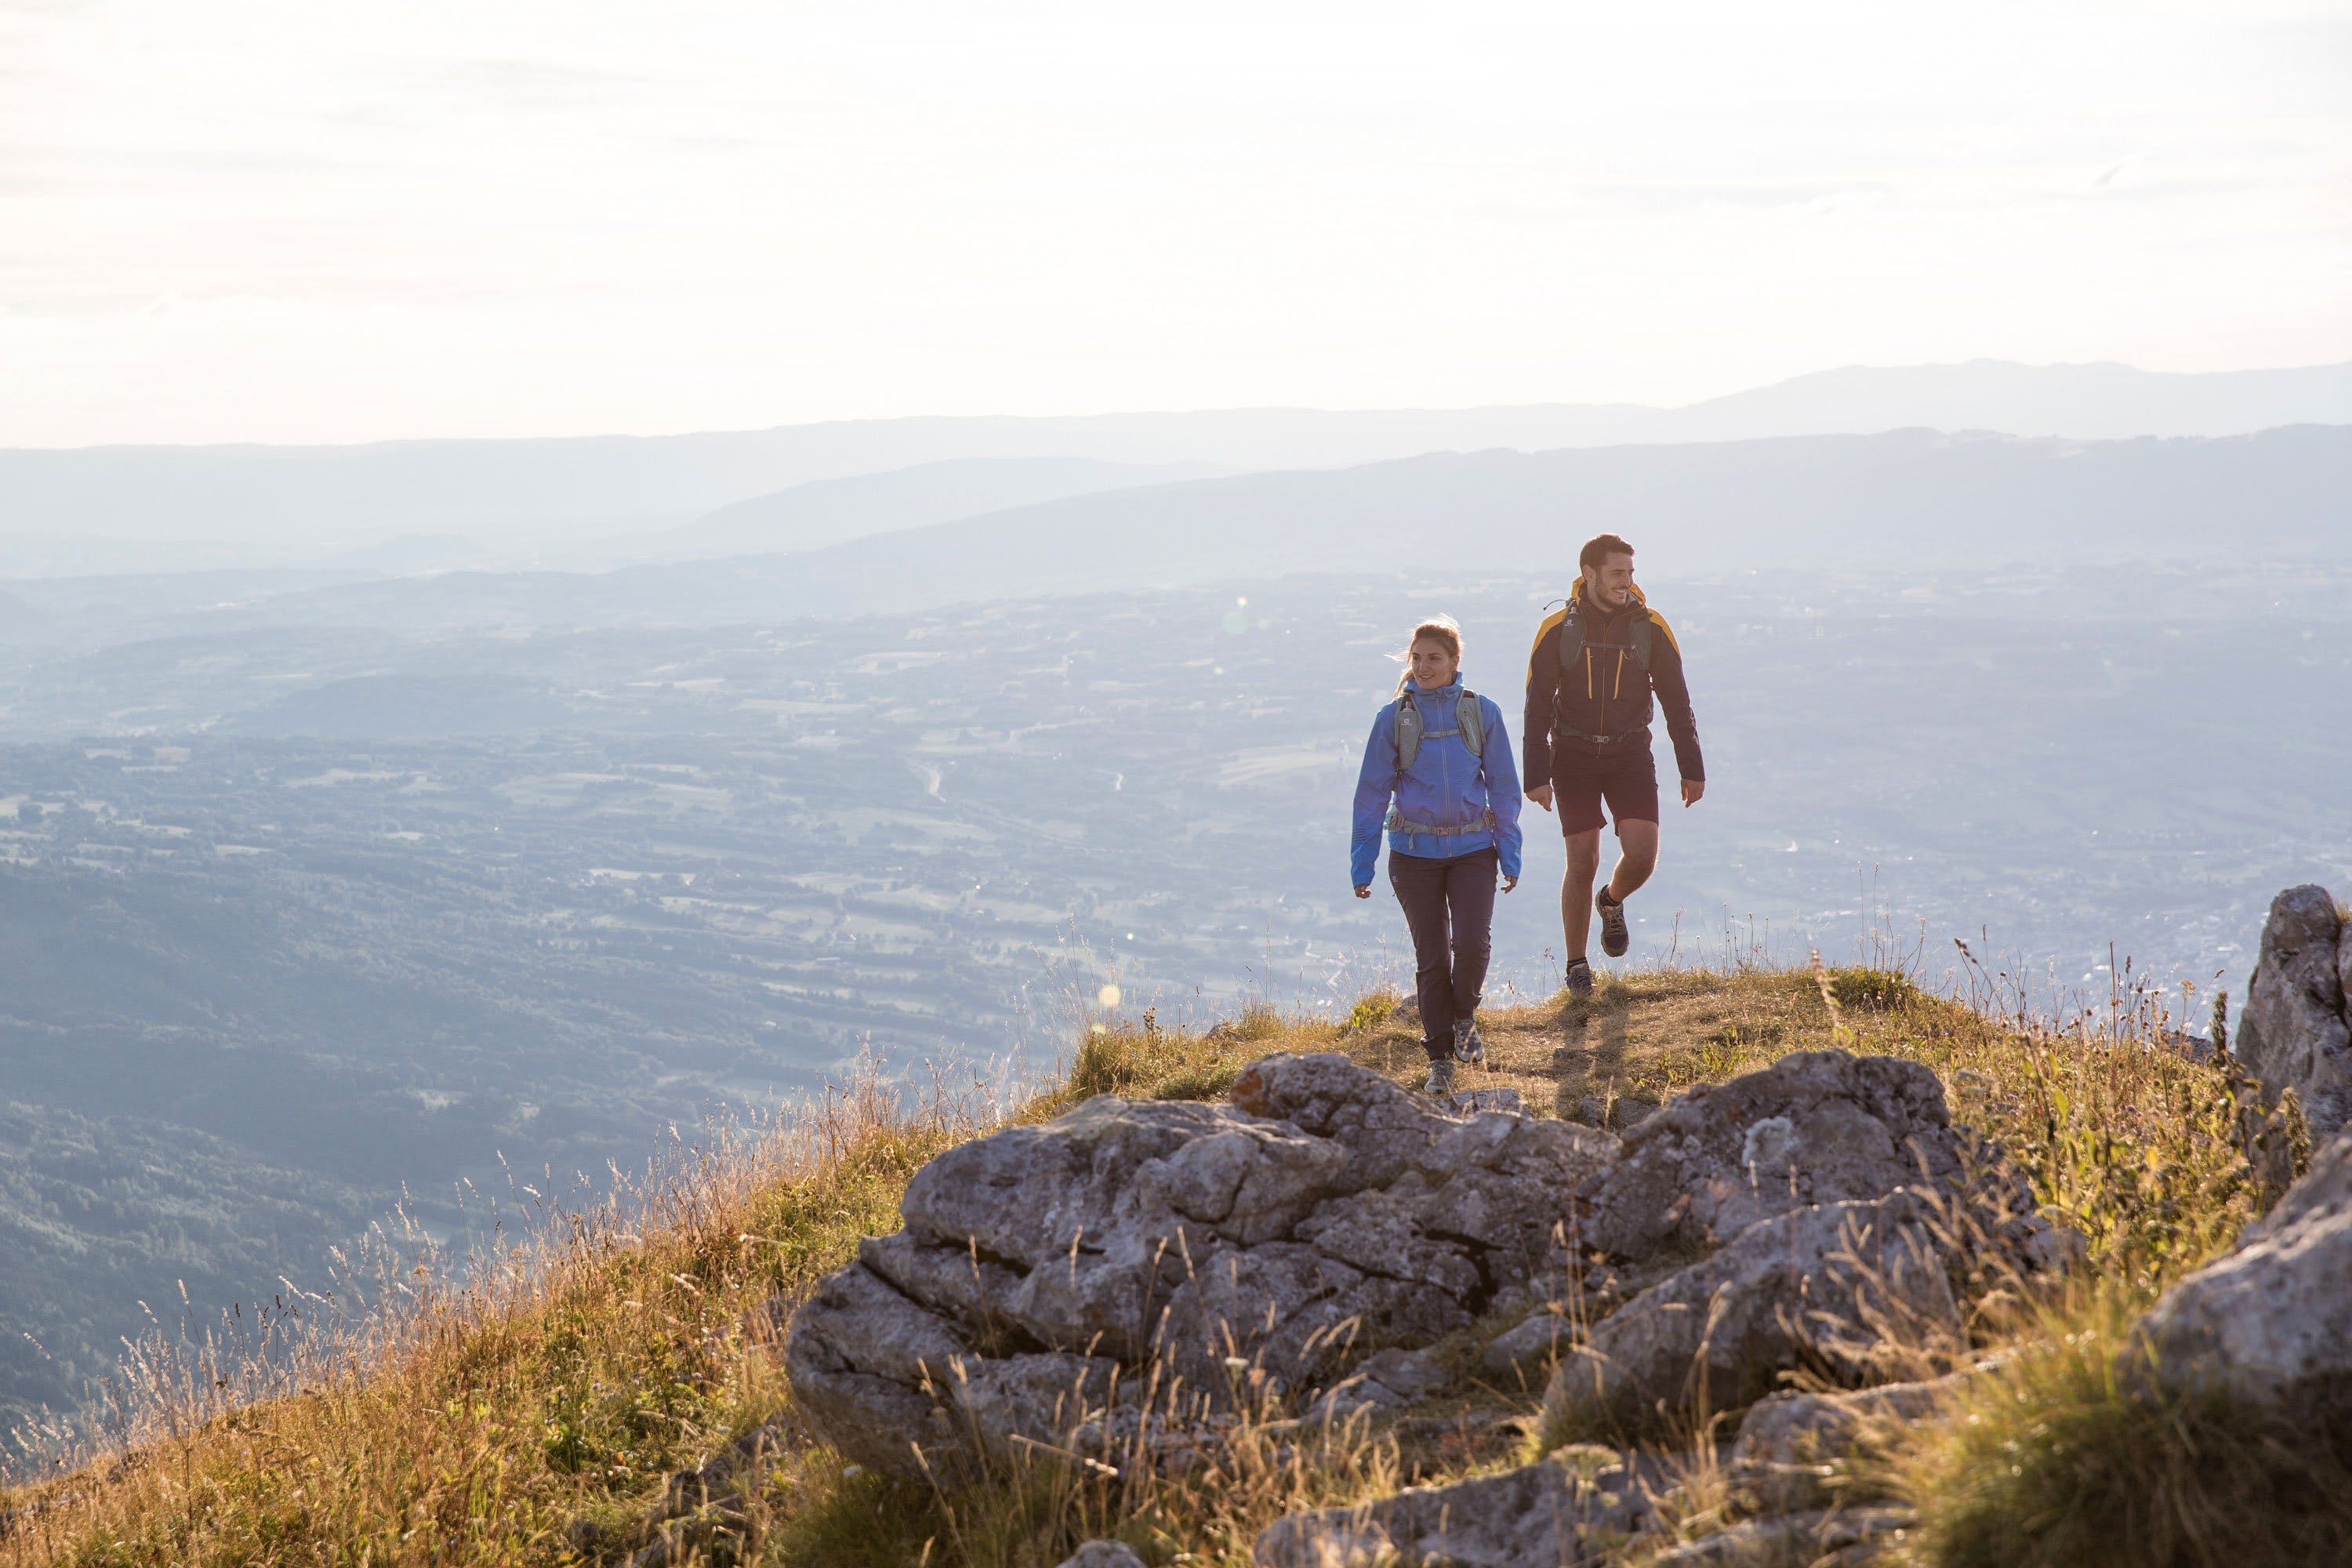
x: 1637, y: 856
x: 1576, y: 888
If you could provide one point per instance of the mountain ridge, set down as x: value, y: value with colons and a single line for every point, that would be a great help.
x: 1917, y: 496
x: 551, y: 487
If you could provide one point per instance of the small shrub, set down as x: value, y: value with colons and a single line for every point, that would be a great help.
x: 1370, y: 1011
x: 1150, y: 1063
x: 1872, y: 990
x: 2057, y: 1460
x: 1258, y: 1021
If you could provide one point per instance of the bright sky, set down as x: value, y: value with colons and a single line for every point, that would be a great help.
x: 284, y: 220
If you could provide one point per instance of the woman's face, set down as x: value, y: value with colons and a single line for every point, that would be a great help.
x: 1433, y: 664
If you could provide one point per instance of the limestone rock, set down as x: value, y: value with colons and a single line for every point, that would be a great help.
x: 1789, y: 1441
x: 863, y: 1361
x: 1388, y: 1379
x: 1551, y: 1513
x: 1103, y: 1554
x: 1829, y: 1538
x: 1520, y: 1356
x: 1815, y: 1127
x: 1383, y: 1126
x: 2271, y: 1321
x: 1241, y: 1249
x: 1097, y: 1209
x: 1821, y: 1287
x: 1620, y: 1114
x: 2293, y: 1031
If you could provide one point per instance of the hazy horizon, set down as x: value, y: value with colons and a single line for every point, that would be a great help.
x: 921, y: 416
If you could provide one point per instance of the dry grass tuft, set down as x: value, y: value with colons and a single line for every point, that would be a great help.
x: 2057, y: 1458
x: 528, y: 1409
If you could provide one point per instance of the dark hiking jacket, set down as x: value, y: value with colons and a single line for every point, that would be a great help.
x: 1607, y: 694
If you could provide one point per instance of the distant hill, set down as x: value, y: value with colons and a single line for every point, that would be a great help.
x: 1907, y: 499
x: 2087, y: 402
x: 17, y: 617
x: 326, y: 497
x: 829, y: 512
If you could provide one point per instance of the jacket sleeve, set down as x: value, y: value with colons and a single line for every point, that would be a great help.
x: 1376, y: 782
x: 1543, y: 686
x: 1674, y: 701
x: 1502, y: 789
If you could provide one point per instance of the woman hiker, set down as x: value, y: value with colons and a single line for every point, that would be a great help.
x: 1438, y: 776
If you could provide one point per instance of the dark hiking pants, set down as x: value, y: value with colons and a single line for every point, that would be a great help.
x: 1449, y: 907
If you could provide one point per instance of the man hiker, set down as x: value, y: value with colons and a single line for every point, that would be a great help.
x: 1596, y: 663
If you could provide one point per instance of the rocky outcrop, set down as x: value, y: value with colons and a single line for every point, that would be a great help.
x: 1814, y: 1128
x: 1782, y: 1181
x: 1846, y: 1289
x: 1103, y: 1554
x: 1046, y: 1274
x: 1392, y: 1379
x: 1839, y: 1223
x: 1122, y: 1280
x: 1568, y: 1511
x: 2270, y: 1323
x: 1789, y: 1445
x: 1824, y: 1538
x: 2294, y: 1031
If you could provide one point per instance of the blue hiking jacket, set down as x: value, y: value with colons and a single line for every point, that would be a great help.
x: 1446, y: 787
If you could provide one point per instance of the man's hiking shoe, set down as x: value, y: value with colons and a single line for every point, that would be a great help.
x: 1579, y: 978
x: 1614, y: 938
x: 1467, y: 1046
x: 1441, y: 1076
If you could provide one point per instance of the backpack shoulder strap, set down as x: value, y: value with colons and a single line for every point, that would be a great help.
x: 1571, y: 639
x: 1472, y: 719
x: 1644, y: 639
x: 1408, y: 731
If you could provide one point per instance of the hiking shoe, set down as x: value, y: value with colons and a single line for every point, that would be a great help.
x: 1467, y: 1046
x: 1579, y: 979
x: 1441, y: 1076
x: 1613, y: 935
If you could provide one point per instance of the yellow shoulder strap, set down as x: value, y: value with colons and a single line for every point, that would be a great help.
x: 1659, y: 622
x: 1542, y: 632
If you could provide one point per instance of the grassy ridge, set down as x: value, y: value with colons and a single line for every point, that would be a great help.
x: 534, y: 1411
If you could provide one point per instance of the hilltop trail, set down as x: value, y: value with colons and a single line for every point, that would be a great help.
x: 1638, y: 1040
x: 622, y: 1394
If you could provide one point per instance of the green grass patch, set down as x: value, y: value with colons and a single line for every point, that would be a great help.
x: 2058, y: 1460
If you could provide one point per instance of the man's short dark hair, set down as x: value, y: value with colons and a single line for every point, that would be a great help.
x: 1600, y: 548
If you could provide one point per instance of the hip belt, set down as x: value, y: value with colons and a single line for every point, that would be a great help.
x: 1640, y: 731
x: 1400, y: 823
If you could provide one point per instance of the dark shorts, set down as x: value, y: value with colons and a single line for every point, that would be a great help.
x: 1629, y: 783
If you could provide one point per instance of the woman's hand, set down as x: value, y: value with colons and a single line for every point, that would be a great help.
x: 1364, y: 891
x: 1509, y: 882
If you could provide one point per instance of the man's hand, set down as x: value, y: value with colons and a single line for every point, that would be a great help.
x: 1541, y: 795
x: 1364, y: 891
x: 1509, y: 882
x: 1692, y: 790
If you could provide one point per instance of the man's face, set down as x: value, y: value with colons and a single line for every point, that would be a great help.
x: 1610, y: 586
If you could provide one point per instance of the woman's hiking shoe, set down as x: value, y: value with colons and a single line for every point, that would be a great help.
x: 1614, y: 938
x: 1579, y: 978
x: 1467, y: 1046
x: 1441, y: 1076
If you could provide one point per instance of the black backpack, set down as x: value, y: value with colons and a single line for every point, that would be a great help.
x: 1644, y: 632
